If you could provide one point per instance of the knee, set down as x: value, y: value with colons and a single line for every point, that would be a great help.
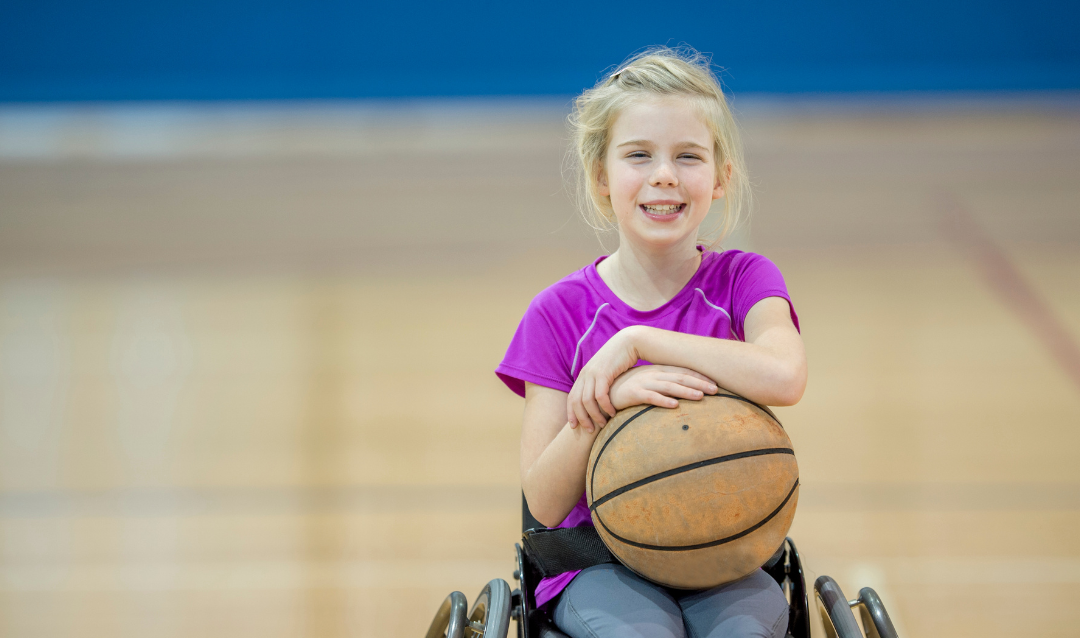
x: 752, y: 607
x: 748, y: 627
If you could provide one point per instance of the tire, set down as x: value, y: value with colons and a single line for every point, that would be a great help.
x: 835, y: 612
x: 450, y: 621
x: 490, y: 613
x: 874, y: 617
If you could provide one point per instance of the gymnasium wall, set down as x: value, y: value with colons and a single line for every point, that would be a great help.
x: 243, y: 49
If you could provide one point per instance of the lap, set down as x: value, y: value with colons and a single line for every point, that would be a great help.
x: 610, y: 600
x: 752, y: 607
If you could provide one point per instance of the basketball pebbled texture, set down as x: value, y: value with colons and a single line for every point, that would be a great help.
x: 696, y: 496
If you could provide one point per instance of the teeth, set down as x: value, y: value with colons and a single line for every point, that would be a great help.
x: 662, y: 210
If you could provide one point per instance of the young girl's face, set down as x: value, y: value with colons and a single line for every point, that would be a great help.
x: 660, y: 172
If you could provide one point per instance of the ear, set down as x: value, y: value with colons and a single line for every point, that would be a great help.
x: 602, y: 183
x: 721, y: 180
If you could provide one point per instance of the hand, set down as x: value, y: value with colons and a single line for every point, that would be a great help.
x: 588, y: 403
x: 661, y: 386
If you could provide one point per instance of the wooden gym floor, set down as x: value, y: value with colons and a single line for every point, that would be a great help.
x: 246, y: 357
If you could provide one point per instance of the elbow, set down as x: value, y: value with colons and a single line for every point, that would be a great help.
x: 544, y: 513
x: 790, y: 385
x: 543, y: 510
x: 549, y: 521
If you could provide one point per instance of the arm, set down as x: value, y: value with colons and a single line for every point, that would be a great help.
x: 769, y: 367
x: 553, y: 455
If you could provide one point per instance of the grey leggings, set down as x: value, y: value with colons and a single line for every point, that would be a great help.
x: 610, y: 600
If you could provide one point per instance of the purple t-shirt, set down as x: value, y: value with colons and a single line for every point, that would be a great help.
x: 569, y: 321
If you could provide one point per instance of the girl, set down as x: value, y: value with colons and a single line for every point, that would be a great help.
x: 660, y: 319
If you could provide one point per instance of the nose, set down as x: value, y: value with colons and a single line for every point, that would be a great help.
x: 664, y: 175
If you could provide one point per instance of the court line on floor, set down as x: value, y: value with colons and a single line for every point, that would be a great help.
x: 955, y: 570
x: 259, y: 500
x: 414, y: 573
x: 440, y: 499
x: 409, y: 573
x: 1003, y: 277
x: 940, y: 497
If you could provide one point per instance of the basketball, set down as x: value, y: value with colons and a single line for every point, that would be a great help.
x: 696, y: 496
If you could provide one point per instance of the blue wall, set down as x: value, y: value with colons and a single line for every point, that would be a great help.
x: 247, y: 49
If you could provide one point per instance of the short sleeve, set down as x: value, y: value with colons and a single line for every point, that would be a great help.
x: 756, y: 278
x: 536, y: 353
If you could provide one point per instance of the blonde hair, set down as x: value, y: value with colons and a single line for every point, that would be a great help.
x: 657, y: 71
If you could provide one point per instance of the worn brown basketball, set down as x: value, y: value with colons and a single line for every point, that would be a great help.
x: 695, y: 496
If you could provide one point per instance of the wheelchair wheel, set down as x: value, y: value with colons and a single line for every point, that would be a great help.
x: 450, y: 621
x: 835, y: 611
x: 875, y: 619
x: 490, y: 613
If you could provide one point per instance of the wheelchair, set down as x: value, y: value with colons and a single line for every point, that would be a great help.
x: 497, y: 605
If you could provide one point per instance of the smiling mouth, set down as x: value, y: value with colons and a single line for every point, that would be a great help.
x: 662, y: 211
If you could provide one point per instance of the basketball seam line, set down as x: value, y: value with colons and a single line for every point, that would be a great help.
x: 745, y: 400
x: 686, y: 468
x: 650, y: 407
x: 683, y: 548
x: 612, y: 437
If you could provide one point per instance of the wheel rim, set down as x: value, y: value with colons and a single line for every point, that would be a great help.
x: 450, y: 621
x: 836, y: 615
x: 490, y: 614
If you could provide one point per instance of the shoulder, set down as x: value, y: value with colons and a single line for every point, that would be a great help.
x: 730, y: 268
x: 571, y: 297
x: 542, y: 350
x: 573, y: 286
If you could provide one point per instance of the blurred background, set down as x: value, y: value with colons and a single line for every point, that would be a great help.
x: 258, y: 262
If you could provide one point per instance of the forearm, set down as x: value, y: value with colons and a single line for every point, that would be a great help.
x: 555, y: 481
x: 771, y: 371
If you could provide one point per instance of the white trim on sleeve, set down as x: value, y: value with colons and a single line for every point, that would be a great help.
x: 731, y: 322
x: 577, y: 350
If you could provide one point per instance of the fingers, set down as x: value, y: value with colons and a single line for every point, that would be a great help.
x: 583, y: 417
x: 659, y: 400
x: 676, y: 370
x: 688, y: 388
x: 695, y: 381
x: 678, y: 391
x: 603, y: 397
x: 578, y: 412
x: 592, y: 407
x: 590, y: 403
x: 575, y: 411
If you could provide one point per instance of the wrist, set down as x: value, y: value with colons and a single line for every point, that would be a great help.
x: 635, y: 338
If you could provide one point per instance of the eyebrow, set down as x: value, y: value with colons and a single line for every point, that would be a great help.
x: 647, y: 142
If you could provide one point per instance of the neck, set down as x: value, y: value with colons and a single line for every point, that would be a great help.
x: 647, y: 278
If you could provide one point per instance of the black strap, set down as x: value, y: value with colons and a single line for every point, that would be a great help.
x: 565, y: 549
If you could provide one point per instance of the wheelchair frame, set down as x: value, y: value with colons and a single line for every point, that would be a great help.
x: 496, y: 605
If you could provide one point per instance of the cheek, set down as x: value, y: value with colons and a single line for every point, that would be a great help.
x: 700, y: 191
x: 700, y: 184
x: 624, y: 183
